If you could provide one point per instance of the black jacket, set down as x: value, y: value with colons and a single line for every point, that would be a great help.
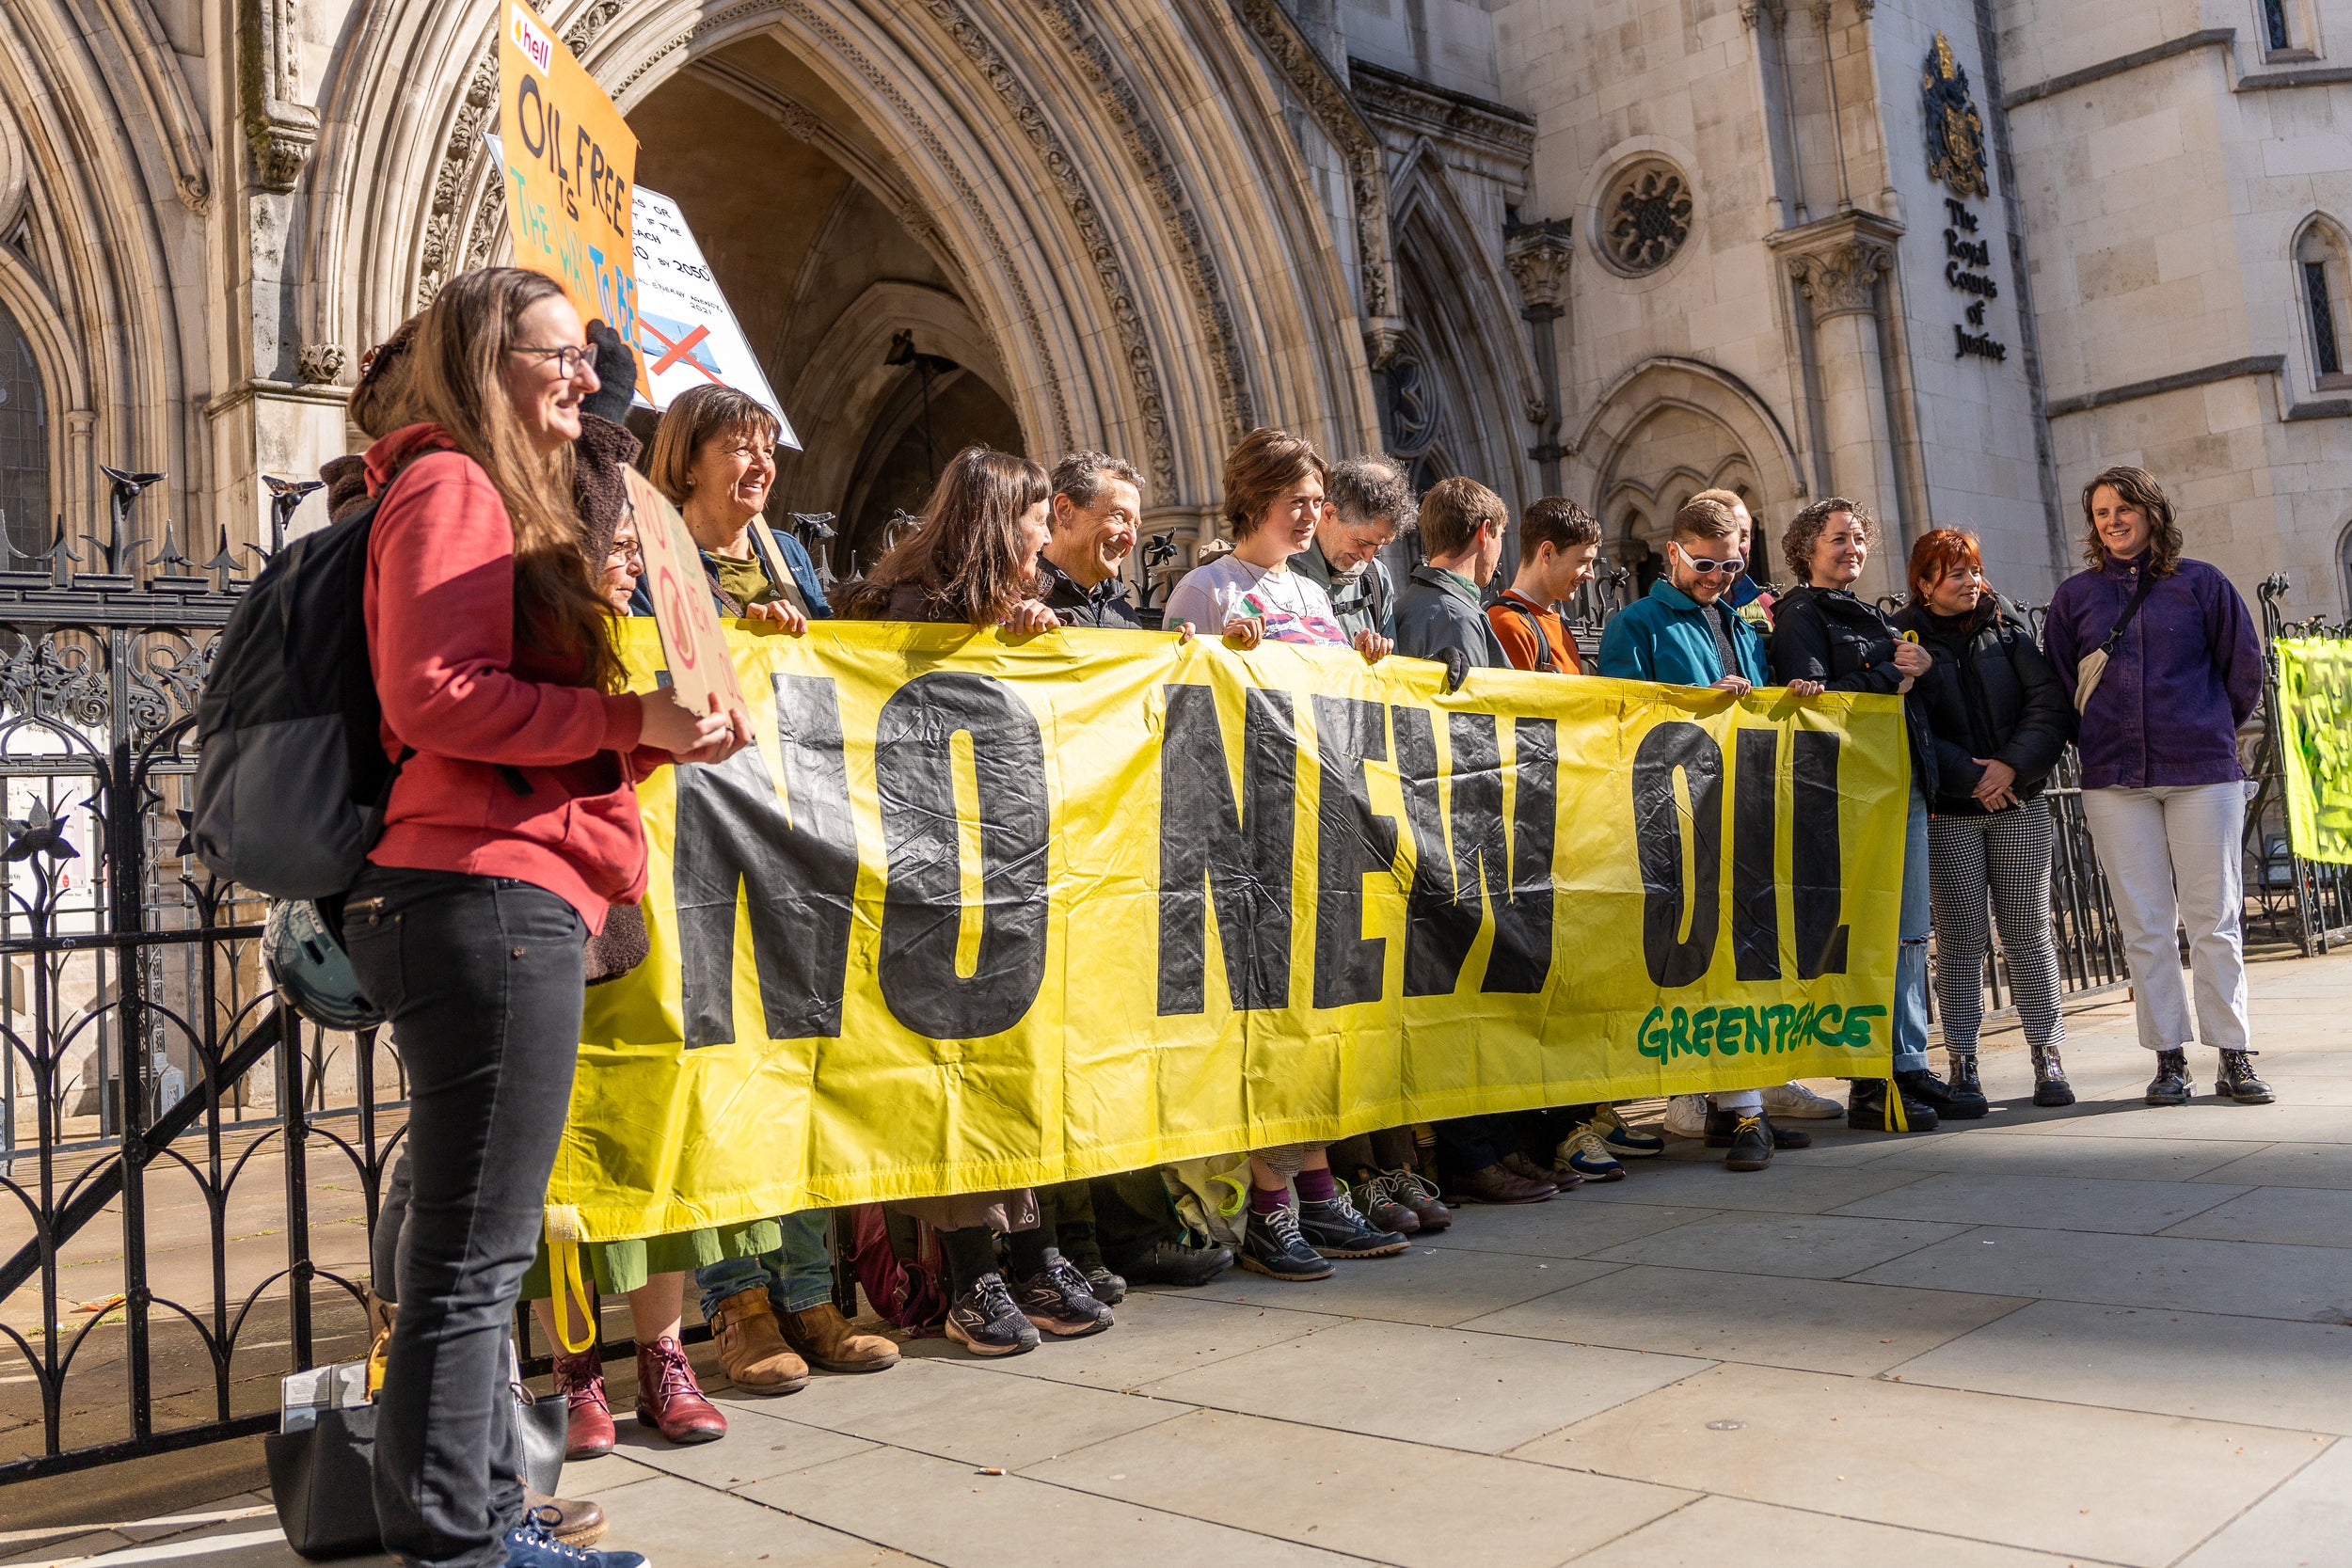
x: 1991, y: 694
x: 1105, y: 605
x: 1827, y: 634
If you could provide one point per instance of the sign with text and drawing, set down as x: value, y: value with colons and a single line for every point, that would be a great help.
x: 571, y: 172
x: 694, y: 639
x: 977, y: 912
x: 2315, y: 722
x: 685, y: 333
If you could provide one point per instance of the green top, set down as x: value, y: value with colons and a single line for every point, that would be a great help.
x: 746, y: 582
x: 1468, y: 588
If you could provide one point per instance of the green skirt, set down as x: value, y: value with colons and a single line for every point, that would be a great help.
x: 619, y: 1267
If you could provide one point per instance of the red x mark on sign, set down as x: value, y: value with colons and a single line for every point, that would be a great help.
x: 673, y: 351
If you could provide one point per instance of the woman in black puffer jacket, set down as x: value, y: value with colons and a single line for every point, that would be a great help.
x: 1998, y: 720
x: 1826, y: 639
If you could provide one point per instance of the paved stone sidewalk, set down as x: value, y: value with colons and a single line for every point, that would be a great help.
x: 2113, y: 1335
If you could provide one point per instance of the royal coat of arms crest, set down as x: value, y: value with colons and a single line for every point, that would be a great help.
x: 1955, y: 129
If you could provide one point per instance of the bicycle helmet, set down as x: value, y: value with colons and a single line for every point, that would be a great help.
x: 313, y: 973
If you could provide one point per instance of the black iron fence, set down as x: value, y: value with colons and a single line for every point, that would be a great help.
x: 194, y: 1169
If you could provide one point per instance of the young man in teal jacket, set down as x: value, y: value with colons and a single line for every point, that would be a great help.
x: 1682, y: 633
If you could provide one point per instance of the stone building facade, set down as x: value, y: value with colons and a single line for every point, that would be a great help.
x: 1945, y: 256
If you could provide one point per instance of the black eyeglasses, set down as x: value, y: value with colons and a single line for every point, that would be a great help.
x: 569, y: 359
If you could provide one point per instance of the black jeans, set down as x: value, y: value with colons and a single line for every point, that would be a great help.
x: 480, y: 978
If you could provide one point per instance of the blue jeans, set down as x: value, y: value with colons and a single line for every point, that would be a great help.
x: 798, y: 1274
x: 1911, y: 959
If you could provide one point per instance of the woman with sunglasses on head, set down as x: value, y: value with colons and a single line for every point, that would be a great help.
x: 511, y: 829
x: 1826, y: 639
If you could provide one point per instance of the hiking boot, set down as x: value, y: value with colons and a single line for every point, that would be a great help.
x: 1103, y: 1285
x: 2237, y: 1081
x: 1273, y: 1246
x: 752, y: 1347
x: 1793, y: 1102
x: 985, y: 1321
x: 1056, y: 1301
x: 1686, y: 1116
x: 1723, y: 1130
x: 824, y: 1339
x: 534, y: 1543
x: 1380, y: 1208
x: 1582, y: 1155
x: 2050, y: 1087
x: 588, y: 1429
x: 1419, y: 1194
x: 1623, y: 1141
x: 1967, y: 1090
x: 2170, y: 1085
x: 1495, y: 1184
x: 574, y: 1522
x: 1936, y: 1095
x: 668, y: 1398
x: 1173, y: 1264
x: 1751, y: 1141
x: 1871, y: 1108
x: 1335, y: 1230
x: 1528, y: 1168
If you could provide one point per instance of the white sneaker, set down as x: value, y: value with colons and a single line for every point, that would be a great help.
x: 1799, y: 1103
x: 1686, y: 1116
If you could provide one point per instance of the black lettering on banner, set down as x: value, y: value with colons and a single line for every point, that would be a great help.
x: 1817, y: 866
x: 1351, y: 842
x: 1678, y: 745
x: 792, y: 859
x: 1755, y: 846
x: 1236, y: 854
x: 1446, y: 905
x: 531, y: 116
x: 923, y: 901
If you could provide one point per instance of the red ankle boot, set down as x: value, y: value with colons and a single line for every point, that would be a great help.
x: 581, y: 1379
x: 668, y: 1398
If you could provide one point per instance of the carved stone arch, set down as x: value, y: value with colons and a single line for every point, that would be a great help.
x: 1749, y: 426
x: 1454, y: 292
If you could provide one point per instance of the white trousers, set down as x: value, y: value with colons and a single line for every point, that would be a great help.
x: 2175, y: 856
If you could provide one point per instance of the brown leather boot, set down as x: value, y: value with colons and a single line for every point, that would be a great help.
x: 825, y: 1338
x: 758, y: 1361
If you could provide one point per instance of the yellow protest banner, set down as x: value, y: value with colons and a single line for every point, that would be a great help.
x: 979, y: 913
x: 570, y: 162
x: 2315, y: 722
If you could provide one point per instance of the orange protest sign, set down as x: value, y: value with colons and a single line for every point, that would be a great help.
x: 694, y: 639
x: 571, y: 161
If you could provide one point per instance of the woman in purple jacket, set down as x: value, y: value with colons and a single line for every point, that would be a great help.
x: 2162, y: 788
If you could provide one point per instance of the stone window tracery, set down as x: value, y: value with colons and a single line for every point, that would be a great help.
x: 1645, y: 216
x: 23, y: 443
x: 2320, y: 278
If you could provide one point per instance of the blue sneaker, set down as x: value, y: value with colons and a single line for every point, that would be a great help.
x: 1621, y: 1140
x: 1584, y: 1152
x: 532, y: 1544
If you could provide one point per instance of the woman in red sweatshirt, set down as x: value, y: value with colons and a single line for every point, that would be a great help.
x: 510, y: 830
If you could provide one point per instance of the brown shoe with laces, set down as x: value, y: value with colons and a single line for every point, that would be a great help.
x: 824, y: 1339
x: 753, y: 1348
x: 578, y: 1524
x: 668, y: 1398
x: 588, y: 1431
x: 1496, y: 1186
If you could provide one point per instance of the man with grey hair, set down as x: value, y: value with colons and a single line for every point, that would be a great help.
x: 1367, y: 502
x: 1098, y: 513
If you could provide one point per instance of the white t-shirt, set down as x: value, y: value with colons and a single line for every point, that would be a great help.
x: 1293, y: 607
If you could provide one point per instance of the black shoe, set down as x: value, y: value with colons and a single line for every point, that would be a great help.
x: 1871, y: 1108
x: 1057, y: 1302
x: 1966, y: 1090
x: 2170, y: 1085
x: 1751, y: 1140
x: 1273, y: 1246
x: 2237, y: 1081
x: 985, y: 1321
x: 2050, y: 1087
x: 1722, y: 1132
x: 1924, y: 1086
x: 1105, y: 1286
x: 1335, y: 1230
x: 1173, y: 1264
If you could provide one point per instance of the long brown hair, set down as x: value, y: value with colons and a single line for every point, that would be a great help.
x: 967, y: 556
x: 2136, y: 487
x: 459, y: 382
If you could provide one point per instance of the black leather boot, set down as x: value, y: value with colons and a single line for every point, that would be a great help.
x: 1963, y: 1091
x: 2237, y: 1081
x: 2170, y: 1085
x: 2050, y: 1087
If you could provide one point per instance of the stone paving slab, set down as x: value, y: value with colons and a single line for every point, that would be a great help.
x: 2049, y: 1202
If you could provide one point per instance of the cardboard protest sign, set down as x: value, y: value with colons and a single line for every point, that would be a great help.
x: 694, y: 639
x: 571, y: 167
x: 685, y: 333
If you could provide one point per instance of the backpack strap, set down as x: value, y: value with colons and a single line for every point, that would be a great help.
x: 1534, y: 626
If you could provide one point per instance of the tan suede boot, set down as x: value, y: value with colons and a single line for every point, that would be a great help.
x: 754, y: 1355
x: 825, y: 1338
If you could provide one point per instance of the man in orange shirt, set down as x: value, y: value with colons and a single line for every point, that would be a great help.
x: 1558, y: 543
